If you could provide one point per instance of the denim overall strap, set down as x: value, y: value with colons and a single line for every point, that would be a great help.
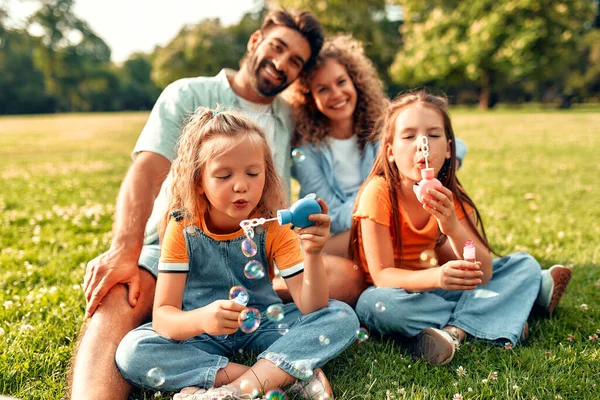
x: 218, y: 265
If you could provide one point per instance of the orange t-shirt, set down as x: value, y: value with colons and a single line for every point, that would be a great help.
x: 375, y: 204
x: 282, y: 248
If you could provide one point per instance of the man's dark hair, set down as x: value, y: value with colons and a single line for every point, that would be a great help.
x: 304, y: 22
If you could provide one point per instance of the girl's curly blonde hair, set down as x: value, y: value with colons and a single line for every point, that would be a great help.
x: 311, y: 124
x: 206, y: 135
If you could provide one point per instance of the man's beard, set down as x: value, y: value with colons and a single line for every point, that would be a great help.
x: 263, y: 85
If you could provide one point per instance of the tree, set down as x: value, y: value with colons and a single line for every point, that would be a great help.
x: 21, y: 84
x: 487, y: 41
x: 583, y: 73
x: 203, y: 49
x: 138, y: 91
x: 74, y: 60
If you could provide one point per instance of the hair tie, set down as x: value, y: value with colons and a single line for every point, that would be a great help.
x: 215, y: 112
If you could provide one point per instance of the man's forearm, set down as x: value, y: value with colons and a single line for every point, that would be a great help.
x: 136, y: 198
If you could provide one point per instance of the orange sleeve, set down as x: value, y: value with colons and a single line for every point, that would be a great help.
x: 173, y: 250
x: 374, y: 202
x: 283, y: 248
x: 460, y: 214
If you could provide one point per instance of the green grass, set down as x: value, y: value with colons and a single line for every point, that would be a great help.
x: 533, y: 174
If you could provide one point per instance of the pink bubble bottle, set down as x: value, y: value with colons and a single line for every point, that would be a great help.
x: 428, y: 179
x: 469, y: 251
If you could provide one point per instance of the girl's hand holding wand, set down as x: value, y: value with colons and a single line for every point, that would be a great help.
x: 313, y: 238
x: 440, y: 203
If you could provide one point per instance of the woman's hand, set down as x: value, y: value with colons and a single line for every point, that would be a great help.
x: 313, y: 238
x: 460, y: 275
x: 440, y: 203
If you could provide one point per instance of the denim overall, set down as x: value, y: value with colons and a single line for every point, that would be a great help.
x: 495, y: 312
x: 215, y: 267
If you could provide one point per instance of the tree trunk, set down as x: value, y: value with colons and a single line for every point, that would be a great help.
x: 486, y: 88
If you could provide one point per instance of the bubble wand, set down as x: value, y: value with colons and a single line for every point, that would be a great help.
x: 297, y: 214
x: 425, y: 150
x: 427, y: 174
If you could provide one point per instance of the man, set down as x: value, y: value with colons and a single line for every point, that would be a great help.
x: 119, y: 284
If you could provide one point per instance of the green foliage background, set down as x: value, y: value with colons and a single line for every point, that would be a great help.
x: 479, y: 51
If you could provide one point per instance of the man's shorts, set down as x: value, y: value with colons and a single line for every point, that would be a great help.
x: 149, y: 258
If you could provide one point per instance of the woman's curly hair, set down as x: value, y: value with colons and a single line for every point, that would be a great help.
x: 311, y: 124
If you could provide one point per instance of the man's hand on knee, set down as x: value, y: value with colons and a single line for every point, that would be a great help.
x: 107, y: 270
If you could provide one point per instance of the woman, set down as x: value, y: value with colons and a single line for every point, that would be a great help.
x: 336, y: 103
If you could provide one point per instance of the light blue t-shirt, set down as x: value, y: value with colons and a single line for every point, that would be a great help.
x: 177, y: 103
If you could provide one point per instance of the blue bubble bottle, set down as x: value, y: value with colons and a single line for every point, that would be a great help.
x: 298, y: 213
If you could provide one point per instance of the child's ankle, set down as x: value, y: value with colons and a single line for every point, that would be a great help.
x: 456, y: 333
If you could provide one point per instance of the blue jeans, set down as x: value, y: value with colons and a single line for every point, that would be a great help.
x: 494, y: 312
x: 312, y: 340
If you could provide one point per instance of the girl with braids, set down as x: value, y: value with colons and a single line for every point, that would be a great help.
x: 224, y: 174
x: 395, y: 237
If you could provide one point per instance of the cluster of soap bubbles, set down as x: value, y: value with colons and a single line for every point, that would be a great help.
x: 298, y: 155
x: 324, y: 340
x: 249, y: 318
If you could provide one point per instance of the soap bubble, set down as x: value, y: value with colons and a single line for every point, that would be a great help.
x: 249, y: 320
x: 283, y: 329
x: 362, y: 335
x: 155, y: 377
x: 429, y: 258
x: 380, y: 306
x: 324, y: 340
x: 275, y: 395
x: 249, y: 232
x: 249, y: 248
x: 254, y: 270
x: 239, y: 295
x: 298, y: 155
x: 275, y: 312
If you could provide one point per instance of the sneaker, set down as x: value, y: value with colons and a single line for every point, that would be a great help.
x: 436, y: 346
x: 316, y: 388
x: 554, y: 283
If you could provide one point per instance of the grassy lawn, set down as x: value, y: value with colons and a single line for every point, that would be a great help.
x: 534, y: 176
